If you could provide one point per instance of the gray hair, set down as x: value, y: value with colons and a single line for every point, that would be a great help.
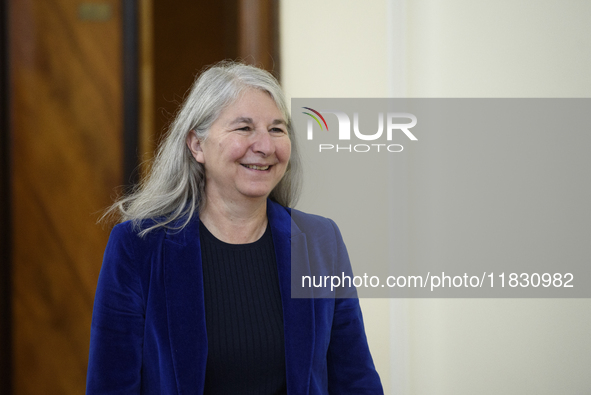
x: 175, y: 186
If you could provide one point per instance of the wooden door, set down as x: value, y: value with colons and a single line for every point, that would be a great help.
x: 66, y: 151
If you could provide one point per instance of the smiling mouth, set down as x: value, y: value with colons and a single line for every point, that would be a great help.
x: 255, y: 167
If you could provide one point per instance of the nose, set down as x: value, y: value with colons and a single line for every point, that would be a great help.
x: 263, y: 143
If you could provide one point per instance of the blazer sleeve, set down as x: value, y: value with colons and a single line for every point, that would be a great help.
x: 350, y: 366
x: 116, y: 338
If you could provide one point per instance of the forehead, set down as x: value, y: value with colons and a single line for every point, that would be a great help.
x: 254, y: 104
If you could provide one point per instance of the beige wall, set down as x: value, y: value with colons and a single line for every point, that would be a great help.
x: 449, y: 48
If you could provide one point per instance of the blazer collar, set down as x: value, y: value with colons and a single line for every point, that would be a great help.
x: 183, y: 278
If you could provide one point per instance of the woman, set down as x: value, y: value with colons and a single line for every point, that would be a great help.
x: 194, y: 295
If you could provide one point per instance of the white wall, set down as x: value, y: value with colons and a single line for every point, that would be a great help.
x: 450, y: 48
x: 501, y: 48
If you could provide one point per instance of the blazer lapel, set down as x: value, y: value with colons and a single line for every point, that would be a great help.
x: 298, y: 314
x: 183, y: 278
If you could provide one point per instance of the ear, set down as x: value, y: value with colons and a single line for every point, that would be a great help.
x: 194, y: 145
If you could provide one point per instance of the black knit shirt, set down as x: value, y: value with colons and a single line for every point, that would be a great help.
x: 244, y: 317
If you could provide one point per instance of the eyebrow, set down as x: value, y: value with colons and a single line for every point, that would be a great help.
x: 250, y: 121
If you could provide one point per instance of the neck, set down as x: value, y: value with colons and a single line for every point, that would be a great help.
x: 235, y: 223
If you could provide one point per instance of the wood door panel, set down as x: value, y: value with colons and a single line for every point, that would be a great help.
x: 66, y: 109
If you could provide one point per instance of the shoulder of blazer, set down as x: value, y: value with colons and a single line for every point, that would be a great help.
x: 178, y: 231
x: 140, y: 249
x: 131, y: 232
x: 313, y: 225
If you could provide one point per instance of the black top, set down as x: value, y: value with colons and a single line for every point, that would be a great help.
x: 244, y: 317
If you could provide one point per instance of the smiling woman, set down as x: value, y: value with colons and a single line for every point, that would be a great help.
x: 194, y: 294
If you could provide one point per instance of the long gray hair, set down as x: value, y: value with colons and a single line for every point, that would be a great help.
x: 175, y: 187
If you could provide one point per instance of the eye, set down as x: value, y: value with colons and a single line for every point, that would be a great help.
x: 277, y: 130
x: 244, y: 128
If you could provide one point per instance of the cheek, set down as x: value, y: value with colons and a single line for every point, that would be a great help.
x: 225, y: 151
x: 235, y: 151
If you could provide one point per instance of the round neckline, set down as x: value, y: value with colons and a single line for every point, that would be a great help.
x: 206, y: 233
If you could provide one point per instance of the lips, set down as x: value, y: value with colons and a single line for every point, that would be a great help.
x: 256, y: 167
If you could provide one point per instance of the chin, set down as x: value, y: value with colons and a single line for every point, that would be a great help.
x: 257, y: 195
x: 262, y: 193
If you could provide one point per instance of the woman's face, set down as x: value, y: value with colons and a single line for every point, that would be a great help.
x: 247, y: 149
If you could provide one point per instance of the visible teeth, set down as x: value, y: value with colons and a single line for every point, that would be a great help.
x: 255, y: 167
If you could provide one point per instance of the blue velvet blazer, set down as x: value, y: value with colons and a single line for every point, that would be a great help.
x: 148, y: 331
